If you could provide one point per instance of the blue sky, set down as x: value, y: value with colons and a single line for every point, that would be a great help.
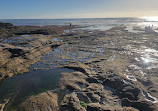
x: 10, y: 9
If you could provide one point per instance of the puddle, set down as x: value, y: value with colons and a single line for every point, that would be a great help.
x: 18, y: 41
x: 32, y: 83
x: 137, y: 70
x: 9, y: 40
x: 135, y: 66
x: 150, y: 98
x: 131, y: 29
x: 147, y: 54
x: 57, y: 40
x: 74, y: 55
x: 130, y: 77
x: 83, y: 59
x: 56, y: 51
x: 113, y: 58
x: 109, y: 88
x: 143, y: 74
x: 63, y: 61
x: 67, y: 31
x: 14, y: 39
x: 25, y: 35
x: 137, y: 59
x: 148, y: 62
x: 21, y: 41
x: 126, y: 82
x: 19, y: 87
x: 71, y: 56
x: 24, y: 45
x: 94, y: 27
x: 88, y: 54
x: 48, y: 62
x: 99, y: 50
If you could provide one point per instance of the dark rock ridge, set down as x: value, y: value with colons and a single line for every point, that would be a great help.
x: 6, y: 25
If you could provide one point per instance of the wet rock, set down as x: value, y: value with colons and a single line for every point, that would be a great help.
x: 37, y: 31
x: 5, y: 25
x: 70, y: 81
x: 43, y: 102
x: 98, y: 107
x: 79, y: 67
x: 93, y: 97
x: 128, y: 109
x: 16, y: 52
x: 101, y: 61
x: 92, y: 80
x: 2, y: 106
x: 95, y: 87
x: 142, y: 106
x: 123, y: 90
x: 10, y: 74
x: 71, y: 103
x: 83, y: 97
x: 94, y: 107
x: 16, y: 59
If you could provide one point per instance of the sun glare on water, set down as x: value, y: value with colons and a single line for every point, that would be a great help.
x: 153, y: 18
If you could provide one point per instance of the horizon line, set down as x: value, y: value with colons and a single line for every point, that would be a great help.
x: 65, y: 18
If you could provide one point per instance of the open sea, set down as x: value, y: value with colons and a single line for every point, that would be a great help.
x: 132, y: 24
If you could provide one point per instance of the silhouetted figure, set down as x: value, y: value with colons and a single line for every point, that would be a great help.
x: 70, y: 24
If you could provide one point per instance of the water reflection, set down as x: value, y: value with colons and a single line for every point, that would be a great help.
x: 145, y: 57
x: 153, y: 18
x: 146, y: 60
x: 150, y: 98
x: 21, y: 86
x: 56, y: 39
x: 150, y: 58
x: 150, y: 50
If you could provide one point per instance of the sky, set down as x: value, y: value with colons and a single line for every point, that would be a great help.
x: 52, y: 9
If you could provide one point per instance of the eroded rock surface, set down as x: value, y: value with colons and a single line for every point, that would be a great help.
x: 114, y: 71
x: 17, y: 58
x: 47, y: 101
x: 71, y: 103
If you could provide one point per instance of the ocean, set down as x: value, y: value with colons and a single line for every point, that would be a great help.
x: 132, y: 24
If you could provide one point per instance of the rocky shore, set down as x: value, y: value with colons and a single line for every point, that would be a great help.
x: 110, y: 72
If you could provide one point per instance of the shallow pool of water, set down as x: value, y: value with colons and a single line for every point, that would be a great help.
x: 21, y: 86
x: 150, y: 98
x: 56, y: 39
